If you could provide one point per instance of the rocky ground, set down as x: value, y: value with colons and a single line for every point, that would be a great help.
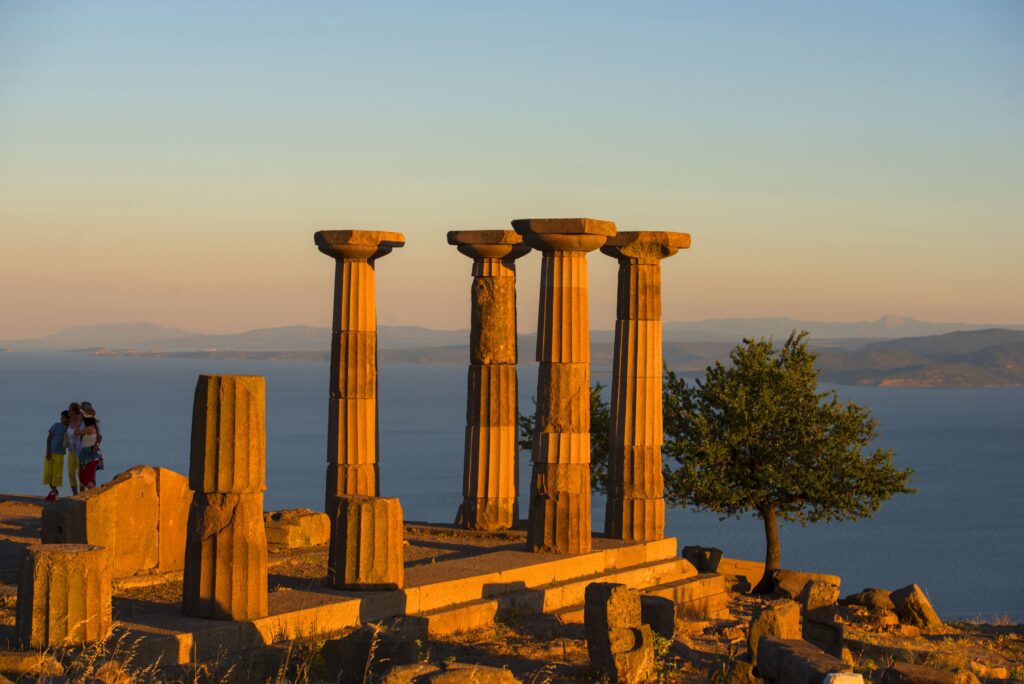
x: 533, y: 648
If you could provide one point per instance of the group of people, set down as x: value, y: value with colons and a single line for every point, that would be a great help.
x: 78, y: 437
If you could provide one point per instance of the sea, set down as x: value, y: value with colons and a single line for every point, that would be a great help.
x: 960, y: 537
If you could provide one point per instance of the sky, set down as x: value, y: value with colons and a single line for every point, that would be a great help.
x: 170, y: 162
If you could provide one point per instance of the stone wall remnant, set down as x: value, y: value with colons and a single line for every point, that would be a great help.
x: 559, y: 518
x: 151, y: 539
x: 352, y: 468
x: 635, y: 509
x: 226, y: 543
x: 64, y: 595
x: 295, y: 528
x: 779, y: 619
x: 491, y: 463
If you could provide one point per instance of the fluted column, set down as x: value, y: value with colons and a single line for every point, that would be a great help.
x: 560, y: 483
x: 635, y: 509
x: 352, y: 413
x: 490, y: 469
x: 225, y: 574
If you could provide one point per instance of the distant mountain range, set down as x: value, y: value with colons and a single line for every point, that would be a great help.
x: 150, y: 337
x: 871, y: 353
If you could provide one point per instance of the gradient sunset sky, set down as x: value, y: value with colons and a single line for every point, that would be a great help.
x: 170, y: 162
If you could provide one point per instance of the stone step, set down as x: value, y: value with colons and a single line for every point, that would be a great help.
x: 564, y: 596
x: 697, y: 598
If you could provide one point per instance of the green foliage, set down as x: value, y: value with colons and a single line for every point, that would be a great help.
x: 600, y: 422
x: 757, y: 436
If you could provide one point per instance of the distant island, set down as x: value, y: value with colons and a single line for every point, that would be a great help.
x: 871, y: 353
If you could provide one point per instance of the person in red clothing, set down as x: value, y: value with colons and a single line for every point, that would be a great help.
x: 88, y: 457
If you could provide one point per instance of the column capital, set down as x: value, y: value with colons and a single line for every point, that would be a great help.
x: 488, y: 244
x: 564, y: 234
x: 357, y: 244
x: 645, y: 245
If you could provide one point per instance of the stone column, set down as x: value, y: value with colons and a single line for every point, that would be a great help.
x: 352, y: 413
x: 635, y: 509
x: 560, y: 483
x: 490, y: 470
x: 367, y: 535
x: 225, y: 543
x: 63, y: 595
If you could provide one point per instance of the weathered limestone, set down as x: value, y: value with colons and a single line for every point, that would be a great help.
x: 618, y: 642
x: 352, y: 412
x: 914, y: 608
x: 794, y: 661
x: 226, y: 543
x: 660, y: 614
x: 560, y: 485
x: 151, y: 539
x: 365, y: 551
x: 63, y: 595
x: 491, y: 466
x: 779, y: 619
x: 874, y: 599
x: 295, y: 528
x: 635, y: 509
x: 792, y: 583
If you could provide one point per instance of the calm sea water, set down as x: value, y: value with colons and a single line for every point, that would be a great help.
x: 961, y: 536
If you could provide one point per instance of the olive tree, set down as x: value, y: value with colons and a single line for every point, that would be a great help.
x: 756, y: 436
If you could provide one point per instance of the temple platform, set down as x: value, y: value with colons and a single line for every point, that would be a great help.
x: 456, y: 580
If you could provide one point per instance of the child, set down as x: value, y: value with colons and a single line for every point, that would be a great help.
x: 56, y: 445
x: 75, y: 413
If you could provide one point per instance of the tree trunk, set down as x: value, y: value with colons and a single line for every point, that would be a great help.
x: 772, y: 553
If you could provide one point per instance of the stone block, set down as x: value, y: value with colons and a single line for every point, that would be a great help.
x: 843, y: 678
x: 354, y: 367
x: 634, y: 472
x: 352, y: 431
x: 98, y: 517
x: 790, y: 584
x: 618, y: 643
x: 914, y: 608
x: 705, y: 559
x: 361, y: 479
x: 228, y: 451
x: 492, y: 396
x: 296, y: 528
x: 368, y: 650
x: 493, y: 320
x: 876, y: 600
x: 559, y: 519
x: 465, y: 673
x: 174, y: 498
x: 563, y: 397
x: 660, y: 614
x: 488, y: 514
x: 24, y: 665
x: 634, y: 519
x: 818, y: 594
x: 794, y: 661
x: 906, y: 673
x: 365, y: 550
x: 64, y: 595
x: 779, y: 619
x: 226, y: 557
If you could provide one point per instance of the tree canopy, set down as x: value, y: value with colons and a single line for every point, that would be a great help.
x: 757, y: 436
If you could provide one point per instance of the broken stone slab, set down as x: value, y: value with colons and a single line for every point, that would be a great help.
x: 660, y: 614
x: 794, y: 661
x: 64, y: 595
x: 466, y: 673
x: 228, y: 452
x: 618, y: 643
x: 367, y: 650
x: 705, y: 559
x: 843, y: 678
x: 296, y: 528
x: 907, y: 673
x: 365, y: 551
x: 779, y: 619
x: 225, y: 557
x: 818, y: 594
x: 874, y: 599
x: 791, y: 583
x: 21, y: 664
x: 914, y: 608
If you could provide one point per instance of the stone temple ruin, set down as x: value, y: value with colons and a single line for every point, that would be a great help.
x: 213, y: 530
